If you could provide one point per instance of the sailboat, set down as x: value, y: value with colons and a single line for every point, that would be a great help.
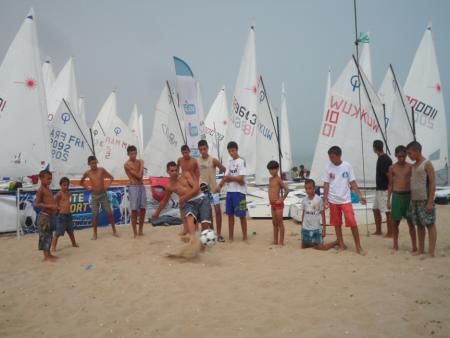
x: 22, y: 98
x: 112, y: 137
x: 82, y: 109
x: 423, y: 89
x: 135, y: 127
x: 167, y: 135
x: 48, y: 76
x: 243, y: 114
x: 216, y: 124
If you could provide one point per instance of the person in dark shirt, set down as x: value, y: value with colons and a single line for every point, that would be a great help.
x: 382, y: 184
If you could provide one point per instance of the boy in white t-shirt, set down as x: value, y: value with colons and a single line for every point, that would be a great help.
x: 338, y: 179
x: 236, y: 204
x: 313, y: 232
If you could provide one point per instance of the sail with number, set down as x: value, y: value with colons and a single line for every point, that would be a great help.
x: 266, y: 137
x: 244, y: 114
x: 216, y: 124
x: 23, y: 110
x: 351, y: 121
x: 423, y: 89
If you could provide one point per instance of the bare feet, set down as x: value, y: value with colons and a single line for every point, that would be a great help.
x: 377, y: 233
x: 115, y: 234
x: 361, y: 252
x: 422, y: 257
x: 415, y: 253
x: 140, y: 233
x: 51, y: 259
x: 185, y: 238
x: 388, y: 236
x: 94, y: 237
x: 75, y: 245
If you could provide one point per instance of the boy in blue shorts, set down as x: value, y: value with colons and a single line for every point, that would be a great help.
x: 236, y: 204
x: 313, y: 232
x: 64, y: 222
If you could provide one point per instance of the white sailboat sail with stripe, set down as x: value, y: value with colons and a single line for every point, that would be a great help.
x: 216, y: 124
x: 167, y: 136
x: 266, y: 137
x: 133, y: 124
x: 423, y: 89
x: 285, y: 136
x: 25, y: 149
x: 243, y: 115
x: 48, y: 76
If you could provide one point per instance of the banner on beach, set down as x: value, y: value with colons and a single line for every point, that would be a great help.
x: 79, y: 206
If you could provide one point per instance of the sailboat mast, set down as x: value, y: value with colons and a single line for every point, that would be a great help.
x: 176, y: 112
x: 78, y: 126
x: 403, y: 102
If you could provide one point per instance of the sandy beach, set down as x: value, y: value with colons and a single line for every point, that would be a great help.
x: 120, y: 287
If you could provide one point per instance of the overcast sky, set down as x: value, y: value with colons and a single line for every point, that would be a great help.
x: 128, y: 45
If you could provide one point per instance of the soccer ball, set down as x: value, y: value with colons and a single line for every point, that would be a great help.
x: 208, y: 237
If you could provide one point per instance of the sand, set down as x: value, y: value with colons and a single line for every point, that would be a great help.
x: 120, y: 287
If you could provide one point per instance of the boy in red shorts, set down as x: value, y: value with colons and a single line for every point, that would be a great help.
x: 278, y: 191
x: 338, y: 179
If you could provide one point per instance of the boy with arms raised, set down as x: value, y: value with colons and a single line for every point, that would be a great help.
x: 399, y: 196
x: 338, y: 178
x: 99, y: 197
x: 236, y: 204
x: 195, y: 204
x: 313, y: 232
x: 65, y: 222
x: 276, y: 198
x: 423, y: 188
x: 207, y: 166
x: 134, y: 169
x: 45, y: 202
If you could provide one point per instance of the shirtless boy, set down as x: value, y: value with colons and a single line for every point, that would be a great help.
x: 45, y: 201
x: 99, y: 196
x: 65, y: 222
x: 134, y: 169
x: 276, y: 198
x: 399, y: 176
x: 194, y: 203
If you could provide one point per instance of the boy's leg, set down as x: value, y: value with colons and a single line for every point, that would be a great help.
x: 395, y: 234
x: 275, y: 227
x: 244, y: 228
x: 54, y: 242
x: 432, y: 236
x: 112, y: 222
x: 389, y: 225
x: 421, y: 235
x: 95, y: 211
x: 377, y: 218
x: 336, y: 221
x: 230, y: 227
x: 326, y: 246
x: 279, y: 214
x: 141, y: 221
x: 355, y: 234
x: 412, y: 235
x: 133, y: 222
x: 72, y: 239
x: 218, y: 214
x: 339, y: 237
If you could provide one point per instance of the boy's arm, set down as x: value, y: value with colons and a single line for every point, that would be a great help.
x: 285, y: 189
x: 58, y: 198
x: 355, y: 188
x: 390, y: 185
x: 219, y: 165
x: 239, y: 179
x: 141, y: 169
x: 131, y: 172
x: 324, y: 223
x: 163, y: 203
x: 108, y: 175
x: 196, y: 170
x: 431, y: 185
x: 195, y: 188
x: 83, y: 179
x: 326, y: 189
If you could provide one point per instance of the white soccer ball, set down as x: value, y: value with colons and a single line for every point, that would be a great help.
x: 208, y: 237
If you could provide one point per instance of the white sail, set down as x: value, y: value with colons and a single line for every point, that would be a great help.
x: 398, y: 122
x: 285, y: 136
x: 48, y: 76
x: 167, y: 138
x: 216, y: 124
x: 243, y: 114
x: 112, y: 137
x: 201, y: 112
x: 65, y: 87
x: 70, y: 143
x: 82, y: 109
x: 350, y: 125
x: 266, y: 137
x: 141, y: 133
x: 423, y: 89
x: 23, y: 112
x: 133, y: 124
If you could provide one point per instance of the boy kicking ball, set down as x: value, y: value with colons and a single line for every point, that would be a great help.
x: 313, y: 233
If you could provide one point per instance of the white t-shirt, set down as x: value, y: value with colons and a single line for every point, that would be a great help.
x: 236, y: 168
x: 312, y: 209
x: 339, y: 178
